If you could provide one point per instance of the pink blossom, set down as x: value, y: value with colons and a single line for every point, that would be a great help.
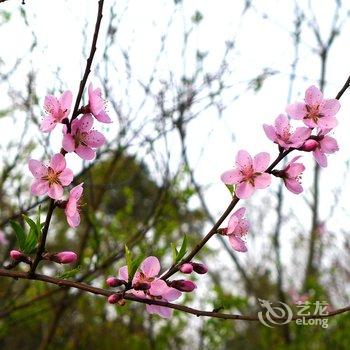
x: 50, y: 179
x: 82, y: 140
x: 249, y: 173
x: 57, y: 110
x: 315, y: 111
x: 73, y: 206
x: 114, y: 282
x: 281, y: 133
x: 326, y: 145
x: 96, y: 105
x: 237, y: 228
x: 291, y: 175
x: 157, y: 290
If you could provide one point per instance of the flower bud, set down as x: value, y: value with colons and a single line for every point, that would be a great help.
x: 183, y: 285
x: 114, y: 298
x: 64, y: 257
x: 16, y: 255
x: 141, y: 286
x: 186, y: 268
x: 199, y: 268
x: 114, y: 282
x: 309, y: 145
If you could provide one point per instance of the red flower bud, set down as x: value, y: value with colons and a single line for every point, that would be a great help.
x: 17, y: 255
x: 199, y: 268
x: 64, y: 257
x: 186, y: 268
x: 114, y: 282
x: 114, y: 298
x: 309, y: 145
x: 183, y: 285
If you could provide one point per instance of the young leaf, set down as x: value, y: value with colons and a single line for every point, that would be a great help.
x: 174, y: 251
x: 33, y: 226
x: 20, y: 234
x: 31, y: 241
x: 69, y: 273
x: 182, y: 250
x: 128, y: 258
x: 232, y: 189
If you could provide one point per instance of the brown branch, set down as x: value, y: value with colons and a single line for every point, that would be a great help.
x: 103, y: 292
x: 88, y: 63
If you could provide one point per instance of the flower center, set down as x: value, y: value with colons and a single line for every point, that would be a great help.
x: 51, y: 177
x: 313, y: 113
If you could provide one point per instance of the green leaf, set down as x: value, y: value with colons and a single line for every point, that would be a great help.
x: 33, y: 226
x: 232, y: 189
x: 70, y: 273
x: 128, y: 258
x: 182, y: 250
x: 20, y: 234
x: 31, y: 242
x: 175, y: 251
x: 131, y: 263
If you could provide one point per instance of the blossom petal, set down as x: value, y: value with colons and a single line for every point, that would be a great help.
x: 330, y: 107
x: 244, y: 190
x: 39, y: 187
x: 158, y: 287
x: 262, y: 181
x: 68, y: 143
x: 243, y: 159
x: 296, y: 110
x: 261, y: 162
x: 58, y: 162
x: 66, y: 100
x: 95, y: 139
x: 293, y: 185
x: 76, y: 191
x: 231, y: 177
x: 232, y: 223
x: 51, y: 104
x: 171, y: 294
x: 86, y: 122
x: 300, y: 135
x: 66, y: 177
x: 329, y: 145
x: 240, y: 213
x: 270, y: 132
x: 103, y: 117
x: 37, y: 168
x: 325, y: 123
x: 320, y: 158
x: 313, y: 96
x: 48, y: 124
x: 237, y: 244
x: 74, y: 221
x: 85, y: 152
x: 123, y: 273
x: 55, y: 191
x: 150, y: 266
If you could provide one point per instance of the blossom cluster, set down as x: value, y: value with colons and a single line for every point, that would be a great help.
x: 147, y: 284
x: 251, y: 173
x: 78, y: 137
